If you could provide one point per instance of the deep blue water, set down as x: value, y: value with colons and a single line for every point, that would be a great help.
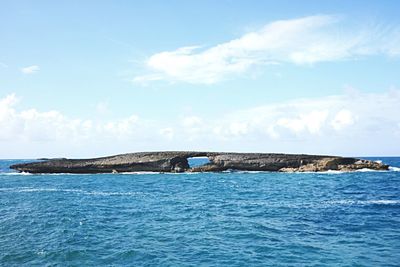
x: 218, y: 219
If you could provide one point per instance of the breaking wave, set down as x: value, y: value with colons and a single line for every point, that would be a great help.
x: 394, y: 169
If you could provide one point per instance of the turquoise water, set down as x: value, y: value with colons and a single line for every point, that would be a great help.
x: 218, y: 219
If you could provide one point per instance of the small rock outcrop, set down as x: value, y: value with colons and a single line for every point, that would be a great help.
x: 177, y: 161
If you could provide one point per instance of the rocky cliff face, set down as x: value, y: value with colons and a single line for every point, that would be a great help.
x: 178, y: 162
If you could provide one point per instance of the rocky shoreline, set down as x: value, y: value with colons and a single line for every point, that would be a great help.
x: 177, y: 162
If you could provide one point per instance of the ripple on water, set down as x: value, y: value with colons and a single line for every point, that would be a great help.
x: 235, y: 219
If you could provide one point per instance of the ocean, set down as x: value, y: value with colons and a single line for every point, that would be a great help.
x: 201, y: 219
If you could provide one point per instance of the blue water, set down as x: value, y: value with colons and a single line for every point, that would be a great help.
x: 218, y: 219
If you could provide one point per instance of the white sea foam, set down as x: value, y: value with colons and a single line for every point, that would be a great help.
x: 15, y: 173
x: 241, y: 171
x: 365, y: 202
x: 367, y: 170
x: 62, y: 174
x: 336, y: 172
x: 129, y: 173
x: 384, y: 201
x: 99, y: 193
x: 75, y: 191
x: 394, y: 169
x: 333, y: 172
x: 321, y: 172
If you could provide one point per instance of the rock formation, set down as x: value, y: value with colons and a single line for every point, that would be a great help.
x: 178, y: 162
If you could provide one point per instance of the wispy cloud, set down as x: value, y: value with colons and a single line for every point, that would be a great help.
x: 30, y: 69
x: 3, y: 65
x: 354, y: 123
x: 102, y: 108
x: 300, y: 41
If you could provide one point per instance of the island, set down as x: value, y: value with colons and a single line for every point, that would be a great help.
x: 177, y: 162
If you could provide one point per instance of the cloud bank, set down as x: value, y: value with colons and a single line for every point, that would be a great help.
x: 300, y: 41
x: 349, y: 124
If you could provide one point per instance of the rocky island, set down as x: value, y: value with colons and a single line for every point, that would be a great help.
x: 177, y: 162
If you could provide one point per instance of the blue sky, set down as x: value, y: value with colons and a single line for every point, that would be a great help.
x: 88, y: 78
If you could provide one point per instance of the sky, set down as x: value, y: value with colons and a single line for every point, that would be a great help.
x: 95, y: 78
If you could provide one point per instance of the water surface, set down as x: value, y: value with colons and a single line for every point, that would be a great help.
x: 231, y: 219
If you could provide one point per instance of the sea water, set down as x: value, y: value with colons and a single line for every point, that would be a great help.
x: 201, y: 219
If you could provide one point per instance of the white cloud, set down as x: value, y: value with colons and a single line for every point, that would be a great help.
x: 30, y: 69
x: 312, y: 122
x: 102, y: 108
x: 121, y: 128
x: 298, y: 41
x: 192, y: 121
x: 168, y: 133
x: 9, y: 125
x: 8, y: 101
x: 342, y: 119
x: 3, y: 65
x: 193, y: 127
x: 238, y: 128
x: 310, y: 117
x: 354, y: 123
x: 32, y: 125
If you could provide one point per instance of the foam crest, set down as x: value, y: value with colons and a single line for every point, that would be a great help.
x: 365, y: 202
x: 15, y: 173
x: 75, y: 191
x: 394, y: 169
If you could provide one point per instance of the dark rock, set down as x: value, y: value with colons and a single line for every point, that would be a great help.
x: 177, y: 162
x: 49, y: 158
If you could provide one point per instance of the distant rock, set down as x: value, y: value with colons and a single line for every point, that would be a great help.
x: 177, y: 161
x: 49, y: 158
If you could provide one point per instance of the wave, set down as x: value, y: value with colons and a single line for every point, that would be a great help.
x: 61, y: 190
x: 391, y: 169
x: 15, y: 173
x: 370, y: 170
x: 241, y: 171
x: 345, y: 202
x: 365, y: 202
x: 58, y: 174
x: 394, y: 169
